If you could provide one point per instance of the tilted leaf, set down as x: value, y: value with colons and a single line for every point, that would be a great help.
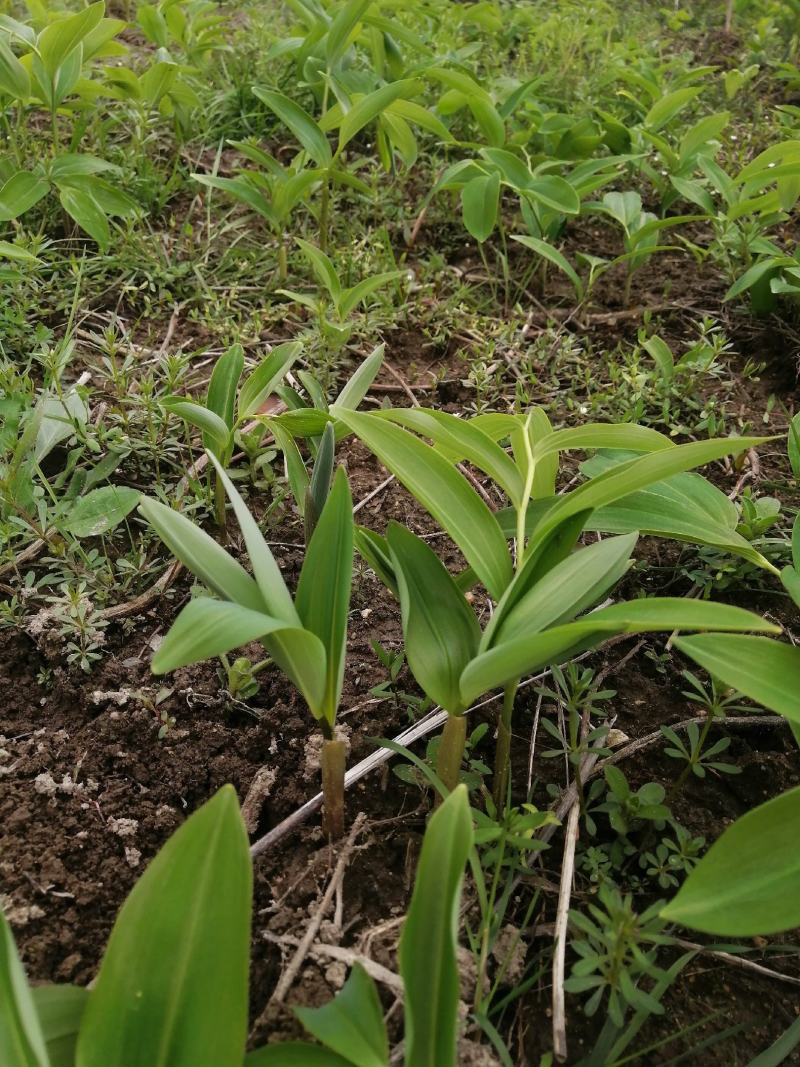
x: 766, y: 671
x: 172, y: 986
x: 323, y: 591
x: 479, y: 201
x: 265, y: 378
x: 358, y: 384
x: 22, y: 1042
x: 429, y: 941
x: 201, y: 554
x: 442, y: 491
x: 217, y: 436
x: 101, y: 510
x: 299, y: 122
x: 748, y: 883
x: 221, y: 396
x: 60, y: 1009
x: 368, y: 107
x: 352, y: 1023
x: 440, y: 630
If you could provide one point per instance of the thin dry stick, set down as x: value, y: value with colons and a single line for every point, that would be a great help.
x: 738, y: 961
x: 562, y: 920
x: 345, y: 955
x: 307, y: 940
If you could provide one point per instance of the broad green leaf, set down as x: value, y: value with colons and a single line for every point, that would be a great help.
x: 602, y: 435
x: 698, y: 136
x: 664, y: 110
x: 352, y: 1023
x: 206, y: 628
x: 489, y: 119
x: 357, y: 294
x: 240, y: 188
x: 217, y: 436
x: 479, y: 201
x: 274, y: 594
x: 60, y: 1009
x: 793, y: 445
x: 299, y: 122
x: 320, y: 483
x: 766, y: 671
x: 78, y: 165
x: 748, y: 883
x: 221, y: 396
x: 662, y: 355
x: 555, y: 193
x: 20, y: 192
x: 628, y: 477
x: 201, y: 554
x: 552, y: 254
x: 57, y: 40
x: 428, y: 944
x: 358, y: 384
x: 442, y: 491
x: 686, y: 507
x: 323, y: 591
x: 101, y: 510
x: 172, y: 987
x: 266, y: 376
x: 564, y: 592
x: 294, y: 1054
x: 370, y: 106
x: 59, y: 417
x: 523, y: 655
x: 296, y: 473
x: 461, y: 439
x: 22, y: 1042
x: 440, y: 630
x: 322, y: 266
x: 374, y: 550
x: 791, y: 583
x: 84, y: 209
x: 341, y: 29
x: 14, y: 79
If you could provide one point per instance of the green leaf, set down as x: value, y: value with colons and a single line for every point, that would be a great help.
x: 459, y: 439
x: 339, y: 35
x: 221, y: 396
x: 371, y: 105
x: 84, y: 209
x: 323, y: 591
x: 555, y: 193
x: 60, y: 1009
x: 320, y: 483
x: 323, y: 268
x: 748, y: 883
x: 78, y: 165
x: 294, y: 465
x: 101, y: 510
x: 442, y: 491
x: 479, y: 201
x: 357, y: 294
x: 514, y: 658
x: 686, y: 507
x: 59, y: 38
x: 440, y: 631
x: 665, y: 109
x: 216, y: 434
x: 201, y: 554
x: 14, y: 79
x: 548, y: 252
x: 299, y: 122
x: 358, y: 384
x: 352, y: 1023
x: 22, y: 1042
x: 765, y: 671
x: 628, y: 477
x: 793, y: 445
x: 59, y: 417
x: 206, y: 628
x: 428, y: 944
x: 565, y: 591
x: 662, y: 356
x: 172, y: 987
x: 19, y: 193
x: 602, y: 435
x: 266, y: 376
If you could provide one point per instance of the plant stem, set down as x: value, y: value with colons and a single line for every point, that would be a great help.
x: 283, y: 269
x: 324, y: 209
x: 451, y: 750
x: 332, y: 762
x: 502, y: 752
